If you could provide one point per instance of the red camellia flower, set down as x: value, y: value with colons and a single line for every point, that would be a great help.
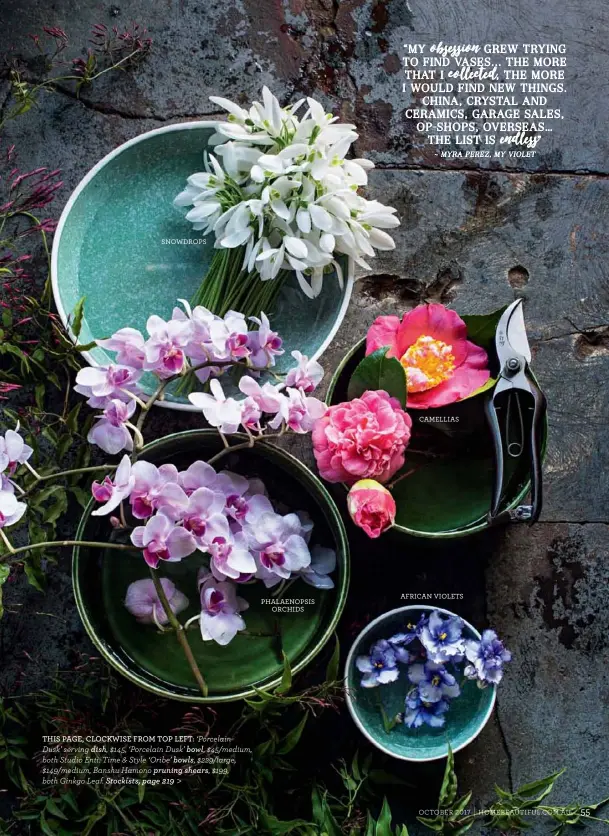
x: 362, y: 439
x: 441, y: 365
x: 371, y: 507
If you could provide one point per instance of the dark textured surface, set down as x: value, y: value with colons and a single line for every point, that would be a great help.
x: 474, y: 239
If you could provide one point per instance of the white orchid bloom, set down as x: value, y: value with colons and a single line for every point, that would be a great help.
x: 219, y: 411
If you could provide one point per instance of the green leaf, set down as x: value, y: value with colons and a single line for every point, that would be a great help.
x: 383, y: 825
x: 52, y: 807
x: 484, y: 388
x: 286, y: 680
x: 459, y: 806
x: 481, y: 328
x: 72, y: 419
x: 377, y: 371
x: 534, y: 787
x: 332, y: 669
x: 291, y: 739
x: 5, y: 571
x: 448, y: 790
x: 77, y: 315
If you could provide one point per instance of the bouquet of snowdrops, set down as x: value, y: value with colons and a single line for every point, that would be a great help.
x: 280, y: 196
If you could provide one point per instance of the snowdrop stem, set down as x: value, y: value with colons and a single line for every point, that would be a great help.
x: 7, y: 542
x: 180, y: 633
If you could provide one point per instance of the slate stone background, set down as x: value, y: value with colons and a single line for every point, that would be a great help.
x: 474, y: 236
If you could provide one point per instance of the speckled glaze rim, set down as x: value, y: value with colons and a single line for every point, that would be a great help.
x: 64, y: 315
x: 449, y: 534
x: 349, y: 700
x: 337, y: 526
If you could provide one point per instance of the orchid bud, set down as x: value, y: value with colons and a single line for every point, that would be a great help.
x: 371, y: 507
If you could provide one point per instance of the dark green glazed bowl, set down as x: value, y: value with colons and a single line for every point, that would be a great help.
x: 120, y: 240
x: 448, y: 496
x: 155, y: 661
x: 465, y: 719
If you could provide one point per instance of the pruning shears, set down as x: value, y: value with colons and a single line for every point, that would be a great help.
x: 522, y: 406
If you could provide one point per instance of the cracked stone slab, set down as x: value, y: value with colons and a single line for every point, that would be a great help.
x: 547, y: 596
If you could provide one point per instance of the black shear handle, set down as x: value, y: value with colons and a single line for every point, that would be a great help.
x: 522, y: 513
x: 539, y: 412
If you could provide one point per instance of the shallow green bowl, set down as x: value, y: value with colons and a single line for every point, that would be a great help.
x: 111, y: 246
x: 155, y: 661
x: 446, y: 497
x: 465, y: 718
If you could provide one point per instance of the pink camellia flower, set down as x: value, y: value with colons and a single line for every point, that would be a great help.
x: 110, y: 431
x: 220, y: 607
x: 371, y: 507
x: 362, y: 438
x: 129, y: 346
x: 113, y: 491
x: 162, y: 539
x: 11, y: 510
x: 13, y: 451
x: 305, y: 375
x: 156, y: 488
x: 441, y: 365
x: 143, y: 602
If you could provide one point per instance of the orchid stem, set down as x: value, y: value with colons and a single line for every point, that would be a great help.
x: 61, y: 543
x: 180, y: 633
x: 7, y: 542
x: 241, y: 446
x: 392, y: 484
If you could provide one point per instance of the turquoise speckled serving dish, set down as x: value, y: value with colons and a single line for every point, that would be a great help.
x: 123, y: 245
x: 465, y: 719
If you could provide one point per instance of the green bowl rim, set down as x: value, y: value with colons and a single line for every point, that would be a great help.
x: 342, y: 589
x: 64, y: 315
x: 450, y: 534
x: 349, y: 701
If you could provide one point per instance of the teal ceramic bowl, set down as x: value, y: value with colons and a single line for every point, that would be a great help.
x: 124, y: 246
x: 465, y: 719
x: 447, y: 496
x: 154, y: 660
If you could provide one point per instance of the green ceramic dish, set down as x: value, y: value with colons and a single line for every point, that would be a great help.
x: 446, y: 497
x: 122, y: 244
x: 465, y: 719
x: 155, y: 661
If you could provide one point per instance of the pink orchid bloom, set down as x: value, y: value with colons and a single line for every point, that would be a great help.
x: 129, y: 346
x: 143, y: 602
x: 110, y: 431
x: 102, y: 383
x: 219, y: 411
x: 305, y: 375
x: 230, y: 554
x: 244, y: 498
x: 441, y: 365
x: 203, y: 509
x: 299, y: 412
x: 229, y: 337
x: 220, y: 607
x: 267, y: 397
x: 317, y: 574
x: 113, y: 491
x: 265, y: 343
x: 251, y: 415
x: 162, y: 539
x: 155, y: 489
x: 11, y: 510
x: 198, y: 475
x: 279, y: 546
x: 164, y: 351
x: 13, y: 451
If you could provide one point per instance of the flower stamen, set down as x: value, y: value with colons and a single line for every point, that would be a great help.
x: 427, y: 363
